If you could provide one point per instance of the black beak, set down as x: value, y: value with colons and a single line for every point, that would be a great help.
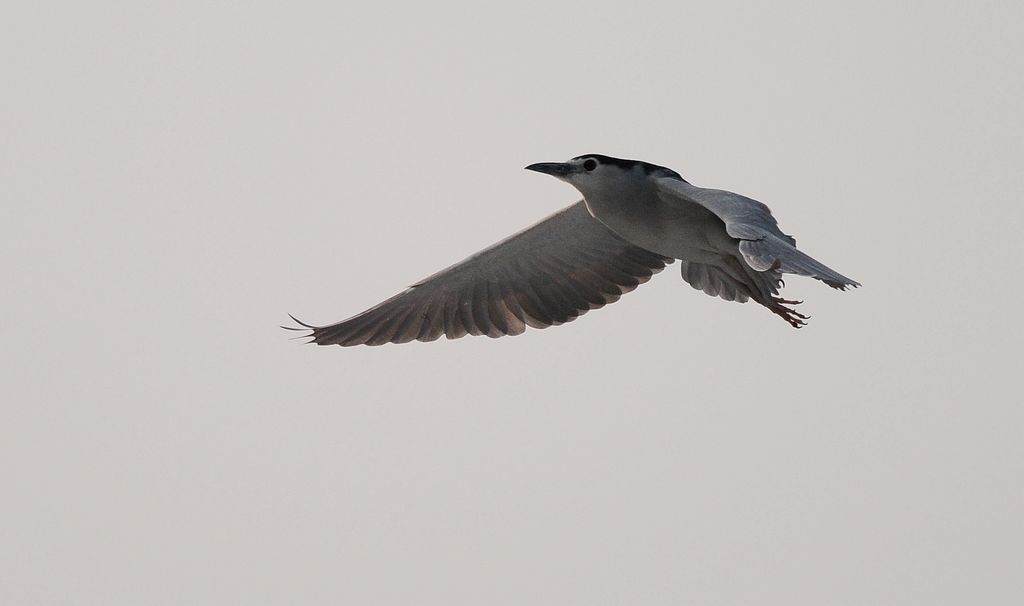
x: 555, y: 169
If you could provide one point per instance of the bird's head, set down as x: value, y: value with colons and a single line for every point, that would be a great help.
x: 596, y: 174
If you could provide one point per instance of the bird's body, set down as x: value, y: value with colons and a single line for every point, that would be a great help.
x: 639, y: 211
x: 635, y: 218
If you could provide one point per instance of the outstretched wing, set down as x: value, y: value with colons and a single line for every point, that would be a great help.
x: 763, y: 245
x: 545, y: 275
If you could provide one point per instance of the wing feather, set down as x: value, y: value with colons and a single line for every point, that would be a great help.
x: 547, y: 274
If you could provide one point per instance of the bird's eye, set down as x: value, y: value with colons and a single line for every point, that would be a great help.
x: 590, y: 165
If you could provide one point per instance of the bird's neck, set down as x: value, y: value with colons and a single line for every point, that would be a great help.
x: 622, y: 202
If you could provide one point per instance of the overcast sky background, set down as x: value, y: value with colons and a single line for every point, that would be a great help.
x: 178, y: 177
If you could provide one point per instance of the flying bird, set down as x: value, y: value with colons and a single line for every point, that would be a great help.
x: 635, y: 218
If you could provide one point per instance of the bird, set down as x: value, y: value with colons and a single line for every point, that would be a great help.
x: 635, y: 219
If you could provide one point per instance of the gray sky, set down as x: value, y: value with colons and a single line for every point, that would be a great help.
x: 177, y: 178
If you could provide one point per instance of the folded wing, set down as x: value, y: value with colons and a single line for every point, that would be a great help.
x: 545, y: 275
x: 763, y: 245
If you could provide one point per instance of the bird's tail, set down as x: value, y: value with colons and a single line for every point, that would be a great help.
x: 772, y: 252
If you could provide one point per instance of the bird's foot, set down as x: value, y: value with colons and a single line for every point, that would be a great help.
x: 795, y: 318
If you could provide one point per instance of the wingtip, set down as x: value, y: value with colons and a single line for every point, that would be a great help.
x: 309, y: 329
x: 300, y: 323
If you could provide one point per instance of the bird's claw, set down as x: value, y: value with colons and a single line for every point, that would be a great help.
x: 795, y: 318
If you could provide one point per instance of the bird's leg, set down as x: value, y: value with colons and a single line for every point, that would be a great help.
x: 763, y: 296
x: 795, y: 318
